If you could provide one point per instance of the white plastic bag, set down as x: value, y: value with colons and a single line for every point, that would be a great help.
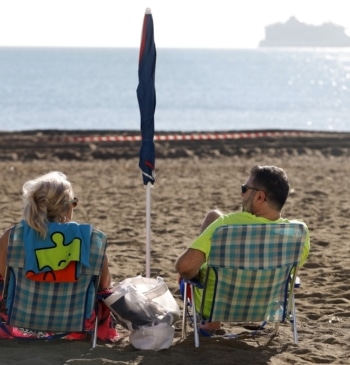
x: 146, y: 307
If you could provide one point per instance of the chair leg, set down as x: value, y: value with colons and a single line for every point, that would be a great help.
x: 294, y: 322
x: 94, y: 334
x: 194, y: 314
x: 184, y: 313
x: 277, y: 328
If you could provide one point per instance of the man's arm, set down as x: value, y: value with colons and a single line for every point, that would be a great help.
x: 188, y: 264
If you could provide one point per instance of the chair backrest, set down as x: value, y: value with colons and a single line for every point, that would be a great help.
x: 51, y: 306
x: 252, y: 265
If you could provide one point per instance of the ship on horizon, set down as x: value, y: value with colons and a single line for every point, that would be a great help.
x: 294, y: 33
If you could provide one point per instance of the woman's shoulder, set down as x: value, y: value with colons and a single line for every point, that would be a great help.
x: 8, y: 230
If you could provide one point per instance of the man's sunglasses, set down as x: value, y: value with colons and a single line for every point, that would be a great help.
x: 245, y: 188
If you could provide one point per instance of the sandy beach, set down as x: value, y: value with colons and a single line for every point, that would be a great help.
x: 191, y: 178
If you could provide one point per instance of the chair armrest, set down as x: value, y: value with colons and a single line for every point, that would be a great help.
x: 194, y: 282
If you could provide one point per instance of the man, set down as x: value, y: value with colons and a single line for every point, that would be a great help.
x: 263, y: 197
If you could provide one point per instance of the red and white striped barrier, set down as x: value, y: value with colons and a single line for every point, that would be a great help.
x: 185, y: 137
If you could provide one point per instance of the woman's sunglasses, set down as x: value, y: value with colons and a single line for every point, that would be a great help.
x: 74, y: 202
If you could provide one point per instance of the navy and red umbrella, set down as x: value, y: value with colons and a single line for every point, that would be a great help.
x: 146, y: 96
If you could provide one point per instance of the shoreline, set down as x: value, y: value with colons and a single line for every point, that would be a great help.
x: 70, y: 144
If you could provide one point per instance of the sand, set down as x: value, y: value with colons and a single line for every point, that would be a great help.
x: 192, y: 177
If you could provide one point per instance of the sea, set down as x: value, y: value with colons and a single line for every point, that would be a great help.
x: 196, y: 89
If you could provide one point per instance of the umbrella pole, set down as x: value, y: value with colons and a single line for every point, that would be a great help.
x: 148, y: 228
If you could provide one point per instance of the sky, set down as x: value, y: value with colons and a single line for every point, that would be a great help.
x: 177, y: 24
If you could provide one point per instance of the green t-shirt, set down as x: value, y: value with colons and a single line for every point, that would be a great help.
x: 203, y: 243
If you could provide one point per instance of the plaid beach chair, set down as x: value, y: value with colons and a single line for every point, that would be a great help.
x: 58, y: 307
x: 255, y: 270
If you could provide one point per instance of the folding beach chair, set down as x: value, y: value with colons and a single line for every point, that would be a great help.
x: 255, y: 268
x: 50, y: 306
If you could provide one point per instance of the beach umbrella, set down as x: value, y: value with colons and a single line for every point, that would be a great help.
x: 146, y: 96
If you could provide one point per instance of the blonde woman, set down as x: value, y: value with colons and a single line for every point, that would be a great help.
x: 48, y: 246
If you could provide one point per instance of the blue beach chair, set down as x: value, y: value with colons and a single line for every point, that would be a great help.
x: 255, y: 268
x: 49, y: 306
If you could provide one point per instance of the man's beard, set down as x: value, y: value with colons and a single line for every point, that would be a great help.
x: 247, y: 206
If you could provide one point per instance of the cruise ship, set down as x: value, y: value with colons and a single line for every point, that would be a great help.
x: 294, y: 33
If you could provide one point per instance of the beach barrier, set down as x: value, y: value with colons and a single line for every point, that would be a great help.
x: 184, y: 137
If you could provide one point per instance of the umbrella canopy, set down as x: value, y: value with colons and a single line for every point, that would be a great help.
x: 146, y: 95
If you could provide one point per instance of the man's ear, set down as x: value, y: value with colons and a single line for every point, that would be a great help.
x: 261, y: 196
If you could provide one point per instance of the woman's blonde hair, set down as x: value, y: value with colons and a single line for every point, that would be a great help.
x: 45, y: 199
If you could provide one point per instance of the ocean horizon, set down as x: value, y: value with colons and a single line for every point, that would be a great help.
x: 197, y: 89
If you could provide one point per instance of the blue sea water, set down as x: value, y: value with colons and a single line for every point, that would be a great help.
x: 197, y: 89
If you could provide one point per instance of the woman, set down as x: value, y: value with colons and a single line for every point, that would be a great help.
x: 48, y: 208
